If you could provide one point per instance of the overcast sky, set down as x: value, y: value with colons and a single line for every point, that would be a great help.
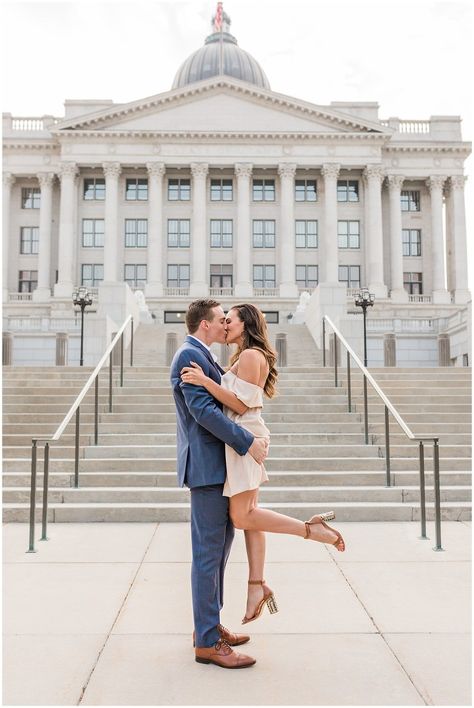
x: 414, y: 57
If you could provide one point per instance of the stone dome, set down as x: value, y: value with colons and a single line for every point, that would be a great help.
x: 219, y: 56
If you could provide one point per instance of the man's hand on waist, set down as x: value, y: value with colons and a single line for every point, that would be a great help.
x: 259, y: 450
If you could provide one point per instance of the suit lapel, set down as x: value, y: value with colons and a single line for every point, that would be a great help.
x: 206, y: 352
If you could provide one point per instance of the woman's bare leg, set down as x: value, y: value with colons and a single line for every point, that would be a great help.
x: 255, y: 545
x: 245, y: 514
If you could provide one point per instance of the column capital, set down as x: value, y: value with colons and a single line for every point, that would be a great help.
x: 112, y: 169
x: 45, y: 179
x: 243, y: 169
x: 199, y: 169
x: 374, y: 172
x: 395, y: 182
x: 435, y: 182
x: 287, y: 170
x: 156, y: 169
x: 68, y: 169
x: 8, y: 179
x: 457, y: 181
x: 330, y: 169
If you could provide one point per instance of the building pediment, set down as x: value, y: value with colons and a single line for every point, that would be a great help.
x: 220, y: 106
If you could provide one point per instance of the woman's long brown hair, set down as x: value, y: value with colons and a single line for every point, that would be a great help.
x: 255, y: 336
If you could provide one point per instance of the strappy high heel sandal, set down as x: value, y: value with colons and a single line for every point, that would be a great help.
x: 321, y: 519
x: 268, y: 600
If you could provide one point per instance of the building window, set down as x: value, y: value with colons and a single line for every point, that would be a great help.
x: 178, y: 276
x: 264, y: 276
x: 221, y: 276
x: 179, y: 231
x: 29, y: 240
x: 307, y: 276
x: 410, y: 200
x: 179, y: 190
x: 263, y: 190
x: 350, y: 275
x: 92, y: 274
x: 221, y: 233
x: 264, y: 234
x: 135, y: 275
x: 221, y: 190
x: 30, y: 198
x: 271, y: 316
x: 413, y: 283
x: 175, y: 317
x: 347, y: 190
x: 306, y: 234
x: 348, y: 234
x: 92, y: 233
x: 136, y: 233
x: 94, y: 189
x: 305, y: 190
x: 411, y: 239
x: 136, y: 190
x: 27, y: 281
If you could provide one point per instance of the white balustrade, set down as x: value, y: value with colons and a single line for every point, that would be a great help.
x: 266, y: 292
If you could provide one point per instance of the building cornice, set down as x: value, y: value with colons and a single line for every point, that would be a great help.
x: 458, y: 148
x: 73, y: 135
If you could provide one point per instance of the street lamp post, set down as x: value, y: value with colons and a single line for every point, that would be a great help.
x: 364, y: 299
x: 81, y: 298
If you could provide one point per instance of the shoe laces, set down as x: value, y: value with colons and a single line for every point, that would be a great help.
x: 223, y: 644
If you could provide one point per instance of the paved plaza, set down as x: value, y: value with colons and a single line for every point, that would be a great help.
x: 101, y: 615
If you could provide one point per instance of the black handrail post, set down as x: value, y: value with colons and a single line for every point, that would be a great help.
x: 422, y: 491
x: 131, y: 342
x: 387, y: 448
x: 34, y: 452
x: 121, y: 359
x: 349, y: 396
x: 110, y: 381
x: 44, y: 526
x: 437, y: 492
x: 335, y: 359
x: 96, y: 411
x: 76, y: 451
x: 366, y: 412
x: 324, y: 342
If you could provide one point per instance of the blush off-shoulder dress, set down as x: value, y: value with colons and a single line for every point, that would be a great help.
x: 243, y: 473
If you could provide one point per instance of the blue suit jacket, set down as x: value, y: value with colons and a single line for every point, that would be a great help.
x: 202, y: 426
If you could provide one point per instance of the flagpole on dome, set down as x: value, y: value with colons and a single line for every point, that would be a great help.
x: 218, y: 26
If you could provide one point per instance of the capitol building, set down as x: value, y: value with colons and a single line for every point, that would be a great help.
x: 223, y: 187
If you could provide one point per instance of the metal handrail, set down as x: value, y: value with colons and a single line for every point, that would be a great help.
x: 74, y: 409
x: 389, y: 408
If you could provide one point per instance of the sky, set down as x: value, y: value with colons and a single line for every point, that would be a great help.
x: 413, y: 57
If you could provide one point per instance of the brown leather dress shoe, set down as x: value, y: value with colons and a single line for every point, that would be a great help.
x: 223, y: 655
x: 232, y: 638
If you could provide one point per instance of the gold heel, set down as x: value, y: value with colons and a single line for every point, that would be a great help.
x: 268, y: 600
x: 321, y: 519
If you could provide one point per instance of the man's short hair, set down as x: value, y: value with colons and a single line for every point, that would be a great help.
x: 200, y: 310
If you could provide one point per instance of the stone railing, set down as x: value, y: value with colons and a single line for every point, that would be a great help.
x: 19, y: 297
x: 176, y: 292
x: 407, y: 126
x: 30, y: 124
x: 419, y: 298
x: 407, y: 326
x: 41, y: 324
x: 221, y: 292
x: 266, y: 292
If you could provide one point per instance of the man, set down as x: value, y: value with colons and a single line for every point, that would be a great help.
x: 203, y: 430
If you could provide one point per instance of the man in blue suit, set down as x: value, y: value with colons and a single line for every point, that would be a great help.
x: 203, y: 430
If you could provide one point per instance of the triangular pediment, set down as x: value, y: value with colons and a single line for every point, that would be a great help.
x: 219, y: 105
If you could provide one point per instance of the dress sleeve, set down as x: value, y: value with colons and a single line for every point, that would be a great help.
x: 248, y: 393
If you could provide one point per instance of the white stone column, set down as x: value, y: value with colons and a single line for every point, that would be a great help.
x: 199, y: 243
x: 462, y: 294
x: 243, y: 246
x: 67, y: 247
x: 329, y: 264
x: 286, y: 232
x: 112, y: 243
x: 43, y: 291
x: 154, y: 286
x: 373, y: 229
x: 397, y: 291
x: 8, y: 182
x: 440, y: 291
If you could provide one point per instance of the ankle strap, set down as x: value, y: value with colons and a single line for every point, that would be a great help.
x: 256, y: 582
x: 307, y: 526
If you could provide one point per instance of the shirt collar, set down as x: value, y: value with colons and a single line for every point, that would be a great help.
x: 204, y: 345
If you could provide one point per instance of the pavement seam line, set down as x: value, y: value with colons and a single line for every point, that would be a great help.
x: 426, y: 701
x: 101, y: 650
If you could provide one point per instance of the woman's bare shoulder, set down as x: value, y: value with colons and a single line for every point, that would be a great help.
x: 252, y: 355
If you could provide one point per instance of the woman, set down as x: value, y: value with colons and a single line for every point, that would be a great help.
x: 251, y: 374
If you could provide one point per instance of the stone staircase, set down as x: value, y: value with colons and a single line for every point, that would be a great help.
x: 318, y: 459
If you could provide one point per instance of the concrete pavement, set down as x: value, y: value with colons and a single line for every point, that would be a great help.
x: 101, y: 615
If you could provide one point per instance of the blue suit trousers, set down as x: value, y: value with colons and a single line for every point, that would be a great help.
x: 212, y: 534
